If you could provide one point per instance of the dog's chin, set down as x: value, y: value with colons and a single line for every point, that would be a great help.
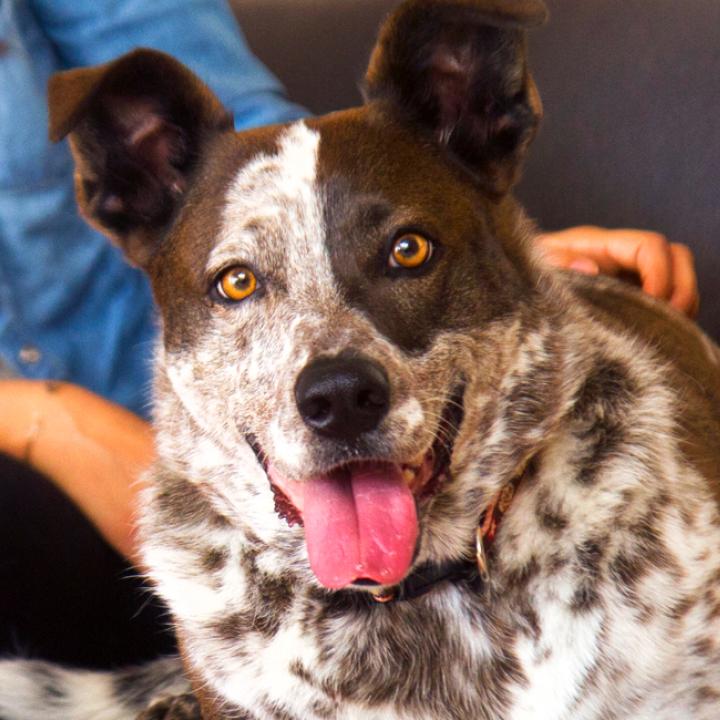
x: 361, y: 517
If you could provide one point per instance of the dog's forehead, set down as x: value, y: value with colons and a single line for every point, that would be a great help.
x: 312, y: 208
x: 323, y: 175
x: 272, y: 215
x: 319, y: 211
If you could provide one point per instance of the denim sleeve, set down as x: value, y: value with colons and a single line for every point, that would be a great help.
x: 203, y: 34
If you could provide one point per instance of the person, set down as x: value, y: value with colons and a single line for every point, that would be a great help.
x: 76, y: 322
x: 72, y: 312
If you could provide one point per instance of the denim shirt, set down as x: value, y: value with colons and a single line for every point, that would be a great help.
x: 70, y: 307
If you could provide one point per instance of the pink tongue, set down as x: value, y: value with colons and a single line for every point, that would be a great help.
x: 360, y: 525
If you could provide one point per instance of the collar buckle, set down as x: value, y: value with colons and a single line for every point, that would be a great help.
x: 384, y: 597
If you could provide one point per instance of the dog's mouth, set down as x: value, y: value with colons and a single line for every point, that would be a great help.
x: 361, y: 517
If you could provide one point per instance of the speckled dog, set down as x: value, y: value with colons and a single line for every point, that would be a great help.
x: 404, y: 472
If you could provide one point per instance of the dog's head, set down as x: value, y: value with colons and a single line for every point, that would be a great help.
x: 341, y: 297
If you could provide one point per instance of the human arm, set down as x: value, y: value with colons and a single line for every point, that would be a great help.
x: 90, y: 448
x: 94, y: 450
x: 664, y: 270
x: 203, y: 34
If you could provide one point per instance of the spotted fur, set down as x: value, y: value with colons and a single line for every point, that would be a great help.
x: 604, y: 592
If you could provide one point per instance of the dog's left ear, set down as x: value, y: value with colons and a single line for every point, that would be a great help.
x: 137, y: 126
x: 459, y: 69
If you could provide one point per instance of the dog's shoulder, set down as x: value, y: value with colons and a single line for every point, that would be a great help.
x: 691, y: 360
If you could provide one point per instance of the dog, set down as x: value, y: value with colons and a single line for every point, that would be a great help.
x: 404, y: 470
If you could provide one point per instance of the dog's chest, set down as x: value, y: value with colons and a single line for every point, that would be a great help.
x: 588, y: 611
x: 448, y: 657
x: 444, y: 656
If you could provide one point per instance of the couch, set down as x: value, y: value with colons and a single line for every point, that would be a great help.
x: 631, y: 88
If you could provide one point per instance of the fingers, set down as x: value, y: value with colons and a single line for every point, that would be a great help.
x: 648, y: 255
x: 665, y: 271
x: 558, y: 249
x: 685, y: 295
x: 584, y: 265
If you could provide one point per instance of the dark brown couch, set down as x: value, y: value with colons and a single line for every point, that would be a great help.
x: 631, y: 91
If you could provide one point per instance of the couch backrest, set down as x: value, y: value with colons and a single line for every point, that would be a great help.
x: 631, y: 88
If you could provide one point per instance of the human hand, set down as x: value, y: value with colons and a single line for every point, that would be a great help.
x: 665, y: 270
x: 94, y: 450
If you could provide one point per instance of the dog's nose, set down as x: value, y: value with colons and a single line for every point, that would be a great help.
x: 342, y: 397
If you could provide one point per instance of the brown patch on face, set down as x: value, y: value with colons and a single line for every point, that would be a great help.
x: 180, y: 502
x: 393, y: 181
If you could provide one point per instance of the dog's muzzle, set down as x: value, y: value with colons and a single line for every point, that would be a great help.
x: 361, y: 516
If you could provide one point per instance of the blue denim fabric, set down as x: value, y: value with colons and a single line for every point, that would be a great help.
x: 70, y: 307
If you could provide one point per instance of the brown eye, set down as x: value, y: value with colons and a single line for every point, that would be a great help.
x: 410, y: 251
x: 236, y: 283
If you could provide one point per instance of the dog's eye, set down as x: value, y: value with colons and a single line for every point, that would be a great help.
x: 410, y: 251
x: 236, y: 283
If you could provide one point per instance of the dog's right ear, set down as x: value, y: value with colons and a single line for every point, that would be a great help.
x: 136, y: 126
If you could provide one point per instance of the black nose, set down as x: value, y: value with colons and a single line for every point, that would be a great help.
x: 342, y: 397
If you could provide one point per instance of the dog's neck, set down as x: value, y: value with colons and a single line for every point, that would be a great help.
x: 475, y: 571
